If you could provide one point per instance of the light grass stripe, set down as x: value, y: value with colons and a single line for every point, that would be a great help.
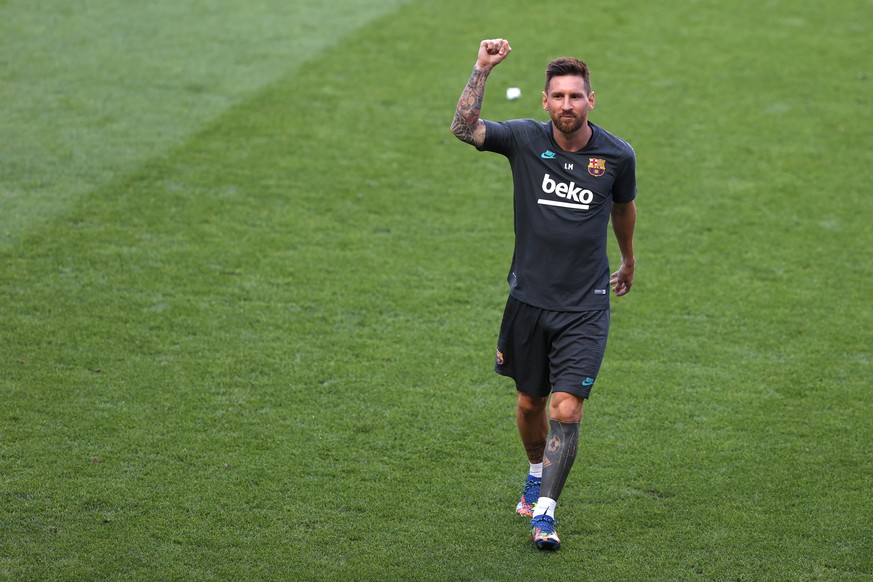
x: 91, y: 89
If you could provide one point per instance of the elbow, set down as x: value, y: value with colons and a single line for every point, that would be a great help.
x: 459, y: 129
x: 454, y: 128
x: 463, y: 132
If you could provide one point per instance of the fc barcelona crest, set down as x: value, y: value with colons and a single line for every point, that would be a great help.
x: 596, y: 167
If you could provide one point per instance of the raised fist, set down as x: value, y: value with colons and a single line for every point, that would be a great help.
x: 491, y: 52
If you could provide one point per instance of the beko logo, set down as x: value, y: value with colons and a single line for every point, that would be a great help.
x: 575, y: 196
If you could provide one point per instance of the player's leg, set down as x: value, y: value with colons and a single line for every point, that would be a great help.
x: 576, y: 356
x: 560, y: 454
x: 533, y: 428
x: 533, y: 425
x: 565, y: 413
x: 563, y: 442
x: 522, y: 354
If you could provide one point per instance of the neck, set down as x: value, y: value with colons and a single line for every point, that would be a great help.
x: 573, y: 142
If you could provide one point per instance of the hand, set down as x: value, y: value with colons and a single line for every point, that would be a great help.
x: 492, y: 52
x: 622, y: 280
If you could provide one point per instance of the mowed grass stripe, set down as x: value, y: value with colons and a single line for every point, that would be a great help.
x: 91, y: 90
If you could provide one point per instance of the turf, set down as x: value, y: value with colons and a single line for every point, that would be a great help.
x: 251, y: 286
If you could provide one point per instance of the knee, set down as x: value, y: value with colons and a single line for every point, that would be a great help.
x: 531, y: 405
x: 566, y: 407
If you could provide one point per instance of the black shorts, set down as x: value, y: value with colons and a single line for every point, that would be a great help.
x: 545, y: 351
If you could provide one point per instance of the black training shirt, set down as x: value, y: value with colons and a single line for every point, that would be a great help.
x: 562, y: 204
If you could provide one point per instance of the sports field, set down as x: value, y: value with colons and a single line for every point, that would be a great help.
x: 250, y: 287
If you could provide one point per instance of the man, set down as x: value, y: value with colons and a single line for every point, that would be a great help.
x: 570, y: 177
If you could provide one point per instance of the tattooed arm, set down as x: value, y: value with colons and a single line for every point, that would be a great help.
x: 466, y: 125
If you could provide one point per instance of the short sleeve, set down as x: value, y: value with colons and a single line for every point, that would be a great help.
x: 498, y: 137
x: 624, y: 189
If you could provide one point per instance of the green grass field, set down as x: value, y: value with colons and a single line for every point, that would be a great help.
x: 250, y: 287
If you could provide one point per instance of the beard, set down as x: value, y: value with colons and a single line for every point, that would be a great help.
x: 567, y: 125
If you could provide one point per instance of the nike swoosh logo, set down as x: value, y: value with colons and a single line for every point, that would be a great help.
x: 548, y: 155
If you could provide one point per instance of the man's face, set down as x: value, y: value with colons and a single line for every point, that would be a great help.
x: 568, y: 103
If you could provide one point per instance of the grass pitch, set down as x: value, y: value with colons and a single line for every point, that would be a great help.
x: 251, y: 286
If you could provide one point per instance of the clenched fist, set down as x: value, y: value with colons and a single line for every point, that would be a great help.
x: 492, y: 52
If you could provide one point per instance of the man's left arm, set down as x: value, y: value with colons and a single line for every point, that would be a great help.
x: 624, y: 220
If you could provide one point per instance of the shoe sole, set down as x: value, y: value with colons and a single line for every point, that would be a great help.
x: 549, y: 545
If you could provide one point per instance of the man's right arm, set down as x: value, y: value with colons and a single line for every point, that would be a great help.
x: 466, y: 125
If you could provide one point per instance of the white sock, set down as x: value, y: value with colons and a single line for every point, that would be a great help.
x: 545, y: 505
x: 536, y: 470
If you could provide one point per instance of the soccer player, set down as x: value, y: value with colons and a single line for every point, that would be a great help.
x: 570, y: 177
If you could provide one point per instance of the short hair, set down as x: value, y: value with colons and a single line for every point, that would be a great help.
x: 568, y: 66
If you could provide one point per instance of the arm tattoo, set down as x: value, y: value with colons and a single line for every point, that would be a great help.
x: 469, y: 105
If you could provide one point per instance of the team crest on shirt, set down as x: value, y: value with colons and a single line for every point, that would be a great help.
x: 596, y: 167
x: 499, y: 358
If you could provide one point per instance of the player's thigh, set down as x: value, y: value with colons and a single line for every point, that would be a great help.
x: 577, y: 352
x: 523, y: 348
